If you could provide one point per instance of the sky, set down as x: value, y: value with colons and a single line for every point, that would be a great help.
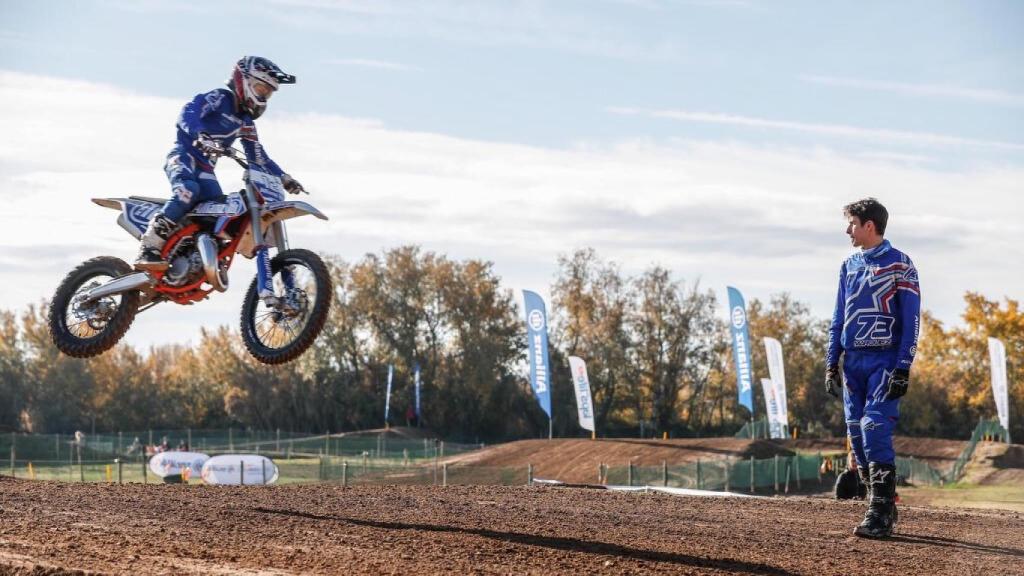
x: 717, y: 138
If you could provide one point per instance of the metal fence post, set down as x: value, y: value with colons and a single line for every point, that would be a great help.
x: 12, y: 454
x: 405, y: 457
x: 444, y: 474
x: 529, y: 474
x: 119, y: 465
x: 629, y: 474
x: 751, y: 474
x: 789, y: 469
x: 344, y: 472
x: 188, y: 435
x: 600, y: 472
x: 241, y: 472
x: 277, y: 447
x: 231, y: 439
x: 776, y: 473
x: 442, y: 448
x: 263, y: 471
x: 664, y: 473
x: 145, y: 471
x: 796, y: 458
x: 81, y: 469
x: 727, y: 466
x: 700, y: 476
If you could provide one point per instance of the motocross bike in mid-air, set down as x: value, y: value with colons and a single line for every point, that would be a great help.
x: 287, y: 302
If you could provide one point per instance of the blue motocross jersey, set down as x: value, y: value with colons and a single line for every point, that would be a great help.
x: 878, y: 307
x: 217, y: 114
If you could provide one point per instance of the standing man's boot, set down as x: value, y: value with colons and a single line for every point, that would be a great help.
x: 863, y: 491
x: 152, y: 242
x: 881, y: 515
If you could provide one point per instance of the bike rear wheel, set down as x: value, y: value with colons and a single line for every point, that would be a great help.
x: 82, y: 329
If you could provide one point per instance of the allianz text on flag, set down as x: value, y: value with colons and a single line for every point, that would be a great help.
x: 387, y: 397
x: 537, y: 344
x: 777, y: 371
x: 771, y: 406
x: 581, y: 383
x: 741, y: 348
x: 997, y: 356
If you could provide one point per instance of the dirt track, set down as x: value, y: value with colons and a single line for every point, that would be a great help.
x: 49, y: 528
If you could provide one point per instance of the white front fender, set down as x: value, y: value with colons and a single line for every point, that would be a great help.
x: 276, y: 212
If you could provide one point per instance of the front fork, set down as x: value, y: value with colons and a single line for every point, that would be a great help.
x: 264, y: 275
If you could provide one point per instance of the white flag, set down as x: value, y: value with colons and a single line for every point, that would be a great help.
x: 777, y: 371
x: 581, y: 383
x: 997, y: 355
x: 771, y: 406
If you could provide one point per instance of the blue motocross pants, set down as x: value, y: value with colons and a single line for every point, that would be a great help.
x: 870, y: 421
x: 190, y: 184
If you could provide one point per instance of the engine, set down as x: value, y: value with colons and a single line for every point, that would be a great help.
x: 186, y: 265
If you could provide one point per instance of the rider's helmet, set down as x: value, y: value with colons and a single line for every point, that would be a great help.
x: 254, y: 80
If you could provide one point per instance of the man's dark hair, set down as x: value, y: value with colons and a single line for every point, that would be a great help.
x: 869, y: 209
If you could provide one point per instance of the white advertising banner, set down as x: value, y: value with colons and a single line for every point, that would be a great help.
x: 997, y: 355
x: 777, y: 371
x: 227, y: 469
x: 172, y: 462
x: 581, y: 383
x: 771, y: 406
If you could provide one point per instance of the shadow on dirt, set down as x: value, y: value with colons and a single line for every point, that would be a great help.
x: 951, y: 543
x: 554, y: 542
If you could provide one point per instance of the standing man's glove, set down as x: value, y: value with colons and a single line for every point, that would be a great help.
x: 899, y: 380
x: 291, y: 184
x: 833, y: 384
x: 207, y: 145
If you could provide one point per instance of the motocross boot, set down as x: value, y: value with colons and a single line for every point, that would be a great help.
x: 863, y: 491
x: 152, y: 241
x: 881, y: 515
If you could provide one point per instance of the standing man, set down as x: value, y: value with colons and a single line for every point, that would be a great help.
x: 875, y: 327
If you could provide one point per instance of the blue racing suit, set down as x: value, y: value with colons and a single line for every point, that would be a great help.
x: 875, y: 326
x: 190, y: 172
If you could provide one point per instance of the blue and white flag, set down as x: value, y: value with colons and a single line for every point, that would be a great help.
x: 416, y: 378
x: 741, y: 347
x: 777, y: 371
x: 387, y: 398
x: 537, y: 343
x: 581, y: 382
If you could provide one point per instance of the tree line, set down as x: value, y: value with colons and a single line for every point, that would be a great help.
x: 657, y: 350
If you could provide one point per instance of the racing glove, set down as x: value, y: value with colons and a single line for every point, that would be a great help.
x: 833, y: 385
x: 207, y: 145
x: 899, y: 381
x: 291, y: 184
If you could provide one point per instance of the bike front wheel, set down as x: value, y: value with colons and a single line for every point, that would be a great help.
x: 282, y: 332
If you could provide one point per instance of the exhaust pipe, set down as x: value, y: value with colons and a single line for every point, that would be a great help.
x: 132, y: 281
x: 211, y: 263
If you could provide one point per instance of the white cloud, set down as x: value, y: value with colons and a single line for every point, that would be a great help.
x: 375, y: 64
x: 766, y: 219
x: 834, y: 130
x: 986, y: 96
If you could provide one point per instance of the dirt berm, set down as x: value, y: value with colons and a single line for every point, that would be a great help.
x: 577, y: 460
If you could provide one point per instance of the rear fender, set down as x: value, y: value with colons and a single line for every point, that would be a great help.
x: 135, y: 212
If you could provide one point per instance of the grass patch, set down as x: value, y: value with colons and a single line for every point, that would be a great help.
x: 967, y: 495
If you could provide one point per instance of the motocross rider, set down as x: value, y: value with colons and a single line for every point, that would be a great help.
x: 209, y: 123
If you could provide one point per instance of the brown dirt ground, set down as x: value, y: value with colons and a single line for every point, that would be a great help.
x: 577, y: 460
x: 52, y: 528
